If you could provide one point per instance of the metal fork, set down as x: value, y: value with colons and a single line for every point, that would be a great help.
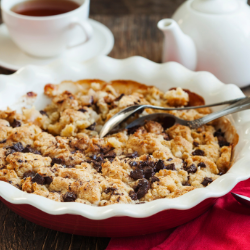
x: 244, y: 200
x: 238, y: 105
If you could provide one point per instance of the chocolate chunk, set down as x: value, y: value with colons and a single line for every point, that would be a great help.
x: 147, y: 163
x: 166, y: 137
x: 184, y: 164
x: 105, y: 150
x: 91, y: 127
x: 47, y: 180
x: 96, y: 163
x: 29, y: 174
x: 92, y: 100
x: 96, y: 108
x: 15, y: 124
x: 159, y: 165
x: 142, y: 188
x: 154, y: 179
x: 198, y: 152
x: 206, y: 181
x: 170, y: 167
x: 9, y: 151
x: 143, y: 164
x: 119, y: 97
x: 38, y: 179
x: 17, y: 147
x: 69, y: 197
x: 169, y: 159
x: 133, y: 163
x: 137, y: 174
x: 97, y: 166
x: 222, y: 141
x: 19, y: 161
x: 133, y: 155
x: 42, y: 112
x: 221, y: 173
x: 133, y: 195
x: 110, y: 154
x: 3, y: 141
x: 31, y: 94
x: 222, y: 144
x: 69, y: 166
x: 219, y: 133
x: 132, y: 130
x: 202, y: 165
x: 186, y: 184
x: 99, y: 158
x: 29, y: 149
x: 110, y: 190
x: 57, y: 161
x: 196, y: 144
x: 191, y: 169
x: 108, y: 100
x: 148, y: 172
x: 60, y: 102
x: 83, y: 110
x: 111, y: 159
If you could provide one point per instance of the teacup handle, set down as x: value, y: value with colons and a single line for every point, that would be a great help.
x: 87, y: 30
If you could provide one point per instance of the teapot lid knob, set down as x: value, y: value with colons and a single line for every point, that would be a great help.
x: 215, y: 6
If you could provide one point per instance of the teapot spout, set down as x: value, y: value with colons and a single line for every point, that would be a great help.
x: 177, y: 46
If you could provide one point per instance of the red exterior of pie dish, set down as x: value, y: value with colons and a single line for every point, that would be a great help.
x: 112, y: 227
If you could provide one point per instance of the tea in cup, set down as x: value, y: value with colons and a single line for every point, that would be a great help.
x: 44, y: 8
x: 46, y: 28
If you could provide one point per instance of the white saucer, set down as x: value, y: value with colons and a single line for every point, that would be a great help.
x: 13, y: 58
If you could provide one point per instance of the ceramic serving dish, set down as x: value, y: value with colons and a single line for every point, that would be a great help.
x: 123, y: 220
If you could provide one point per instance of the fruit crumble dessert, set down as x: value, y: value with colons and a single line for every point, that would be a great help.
x: 57, y: 153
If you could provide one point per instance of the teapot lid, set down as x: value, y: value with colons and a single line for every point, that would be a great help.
x: 215, y: 6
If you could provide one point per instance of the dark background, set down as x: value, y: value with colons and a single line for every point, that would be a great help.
x: 134, y: 7
x: 133, y: 23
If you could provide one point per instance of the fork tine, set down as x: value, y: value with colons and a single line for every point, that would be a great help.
x: 244, y: 200
x: 127, y: 112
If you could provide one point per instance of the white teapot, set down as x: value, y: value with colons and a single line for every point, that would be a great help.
x: 210, y: 35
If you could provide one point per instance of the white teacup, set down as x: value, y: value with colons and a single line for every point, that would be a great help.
x: 48, y: 36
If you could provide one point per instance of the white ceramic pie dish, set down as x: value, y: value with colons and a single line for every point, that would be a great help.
x: 163, y: 76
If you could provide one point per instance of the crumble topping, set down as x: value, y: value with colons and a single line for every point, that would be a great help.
x: 57, y: 153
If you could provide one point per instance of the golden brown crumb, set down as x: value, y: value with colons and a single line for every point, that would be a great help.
x: 57, y: 153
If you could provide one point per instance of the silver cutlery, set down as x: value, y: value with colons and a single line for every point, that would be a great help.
x: 236, y: 105
x: 244, y: 200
